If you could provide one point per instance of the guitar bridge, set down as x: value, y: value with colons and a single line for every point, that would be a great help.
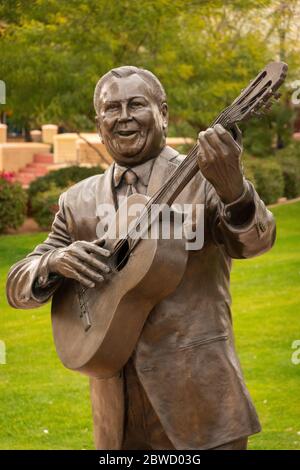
x: 84, y: 313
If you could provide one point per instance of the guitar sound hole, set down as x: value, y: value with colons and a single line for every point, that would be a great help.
x: 122, y: 254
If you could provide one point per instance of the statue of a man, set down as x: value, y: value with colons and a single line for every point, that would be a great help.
x: 182, y: 387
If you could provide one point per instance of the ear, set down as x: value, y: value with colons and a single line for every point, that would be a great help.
x: 165, y: 115
x: 97, y: 121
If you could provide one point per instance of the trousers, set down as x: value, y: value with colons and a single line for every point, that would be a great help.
x: 142, y: 427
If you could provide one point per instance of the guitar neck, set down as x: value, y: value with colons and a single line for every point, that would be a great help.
x: 178, y: 180
x: 254, y: 97
x: 185, y: 171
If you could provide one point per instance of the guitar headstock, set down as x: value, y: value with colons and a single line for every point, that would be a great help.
x: 256, y: 96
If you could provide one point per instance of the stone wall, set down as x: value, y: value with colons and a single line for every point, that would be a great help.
x: 14, y: 156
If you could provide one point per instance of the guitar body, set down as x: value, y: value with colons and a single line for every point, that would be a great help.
x: 95, y: 330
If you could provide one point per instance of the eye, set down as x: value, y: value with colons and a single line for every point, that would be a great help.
x: 112, y: 107
x: 136, y: 104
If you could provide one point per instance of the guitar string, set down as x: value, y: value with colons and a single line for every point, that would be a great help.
x: 190, y: 158
x: 188, y: 161
x: 174, y: 177
x: 192, y: 155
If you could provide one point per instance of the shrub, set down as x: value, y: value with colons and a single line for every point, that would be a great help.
x: 8, y: 176
x: 289, y: 159
x: 262, y: 137
x: 62, y: 178
x: 268, y: 176
x: 257, y: 137
x: 248, y: 168
x: 44, y: 205
x: 13, y: 205
x: 45, y: 191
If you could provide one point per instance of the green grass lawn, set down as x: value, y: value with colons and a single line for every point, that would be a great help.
x: 44, y: 406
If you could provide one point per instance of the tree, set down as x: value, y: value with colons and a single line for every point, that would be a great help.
x: 204, y: 52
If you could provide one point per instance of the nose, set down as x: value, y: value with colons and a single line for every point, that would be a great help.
x: 125, y: 115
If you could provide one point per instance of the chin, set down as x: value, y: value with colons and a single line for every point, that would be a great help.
x: 129, y: 160
x: 127, y: 154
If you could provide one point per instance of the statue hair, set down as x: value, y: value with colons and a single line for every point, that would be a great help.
x: 121, y: 72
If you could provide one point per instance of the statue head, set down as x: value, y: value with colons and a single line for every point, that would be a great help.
x: 131, y: 114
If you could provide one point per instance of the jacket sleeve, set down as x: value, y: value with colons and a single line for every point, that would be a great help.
x: 245, y: 227
x: 29, y: 284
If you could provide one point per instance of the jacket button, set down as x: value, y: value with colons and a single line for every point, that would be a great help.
x: 262, y: 226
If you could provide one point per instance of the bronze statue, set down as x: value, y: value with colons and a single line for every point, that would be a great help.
x: 182, y: 387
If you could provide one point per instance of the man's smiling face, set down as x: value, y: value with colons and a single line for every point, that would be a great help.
x: 131, y: 120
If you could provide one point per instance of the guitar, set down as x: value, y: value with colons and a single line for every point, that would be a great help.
x: 95, y: 330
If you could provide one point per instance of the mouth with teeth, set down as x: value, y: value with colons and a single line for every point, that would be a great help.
x: 127, y: 133
x: 127, y: 142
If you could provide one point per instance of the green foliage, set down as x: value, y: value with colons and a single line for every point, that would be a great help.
x: 248, y: 168
x: 44, y: 205
x: 263, y: 136
x: 268, y: 178
x: 62, y: 178
x: 13, y: 205
x: 53, y: 53
x: 289, y: 159
x: 257, y: 137
x: 45, y: 191
x: 275, y: 176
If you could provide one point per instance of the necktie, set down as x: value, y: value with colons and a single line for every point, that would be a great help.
x: 131, y: 179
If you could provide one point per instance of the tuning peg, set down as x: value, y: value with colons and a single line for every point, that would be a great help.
x: 268, y: 105
x: 255, y: 113
x: 274, y: 101
x: 267, y: 96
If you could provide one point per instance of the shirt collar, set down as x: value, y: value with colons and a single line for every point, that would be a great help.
x: 143, y: 172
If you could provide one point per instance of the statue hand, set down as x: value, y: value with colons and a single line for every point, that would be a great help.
x: 79, y: 261
x: 219, y: 159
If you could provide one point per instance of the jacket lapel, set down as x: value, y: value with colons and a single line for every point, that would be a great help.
x: 163, y: 167
x: 104, y: 189
x: 105, y: 200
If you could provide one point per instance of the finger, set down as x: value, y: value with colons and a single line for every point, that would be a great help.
x: 94, y: 248
x: 81, y: 269
x: 227, y: 138
x: 216, y: 143
x: 90, y: 260
x: 209, y: 152
x: 99, y: 242
x: 200, y: 149
x: 85, y: 281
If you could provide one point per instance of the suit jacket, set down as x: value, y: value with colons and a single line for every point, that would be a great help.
x: 185, y: 357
